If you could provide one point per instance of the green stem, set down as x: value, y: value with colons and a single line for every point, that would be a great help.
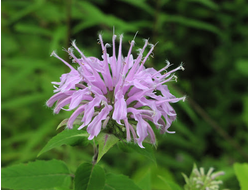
x: 94, y: 159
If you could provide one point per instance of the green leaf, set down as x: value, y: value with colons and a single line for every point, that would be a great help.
x: 26, y: 10
x: 170, y: 185
x: 134, y: 148
x: 61, y: 188
x: 190, y: 23
x: 98, y: 17
x: 142, y: 4
x: 207, y: 3
x: 242, y: 66
x: 119, y: 182
x: 105, y: 141
x: 36, y: 175
x: 32, y: 29
x: 89, y: 177
x: 244, y: 114
x: 242, y: 174
x: 142, y: 178
x: 148, y: 178
x: 66, y: 137
x: 58, y: 36
x: 23, y: 100
x: 65, y: 121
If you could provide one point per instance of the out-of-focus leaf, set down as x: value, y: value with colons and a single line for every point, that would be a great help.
x: 8, y: 44
x: 60, y: 188
x: 26, y: 68
x: 142, y: 5
x: 83, y: 25
x: 142, y: 177
x: 241, y: 171
x: 57, y: 37
x: 53, y: 12
x: 148, y: 177
x: 98, y: 17
x: 32, y: 29
x: 134, y: 148
x: 190, y: 23
x: 25, y: 100
x: 185, y: 105
x: 41, y: 133
x: 208, y: 3
x: 169, y: 184
x: 119, y: 182
x: 242, y: 66
x: 245, y: 110
x: 27, y: 10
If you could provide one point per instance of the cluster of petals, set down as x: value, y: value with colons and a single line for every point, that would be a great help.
x: 116, y: 89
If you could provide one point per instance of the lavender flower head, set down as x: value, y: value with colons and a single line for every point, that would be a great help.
x: 116, y: 94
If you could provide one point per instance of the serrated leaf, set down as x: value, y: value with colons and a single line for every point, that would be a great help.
x: 134, y: 148
x: 36, y: 175
x: 241, y: 171
x: 66, y: 137
x: 89, y: 177
x: 105, y: 141
x: 119, y: 182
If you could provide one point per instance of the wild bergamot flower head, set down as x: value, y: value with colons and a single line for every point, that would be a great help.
x: 199, y: 180
x: 116, y: 94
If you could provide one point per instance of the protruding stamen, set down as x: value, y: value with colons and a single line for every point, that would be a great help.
x: 172, y: 100
x: 144, y: 60
x: 55, y: 55
x: 119, y: 61
x: 107, y: 45
x: 172, y: 71
x: 74, y: 45
x: 70, y: 52
x: 135, y: 35
x: 152, y: 55
x: 181, y: 66
x: 168, y: 63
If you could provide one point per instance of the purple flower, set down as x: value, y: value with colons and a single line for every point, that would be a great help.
x: 116, y: 94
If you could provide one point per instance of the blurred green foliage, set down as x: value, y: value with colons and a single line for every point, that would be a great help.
x: 210, y: 37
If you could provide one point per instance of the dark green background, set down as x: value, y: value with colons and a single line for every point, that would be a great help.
x: 210, y: 37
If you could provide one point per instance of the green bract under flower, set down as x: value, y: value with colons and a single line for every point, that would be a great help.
x: 117, y: 94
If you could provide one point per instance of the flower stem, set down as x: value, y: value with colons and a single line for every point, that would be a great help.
x: 94, y: 159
